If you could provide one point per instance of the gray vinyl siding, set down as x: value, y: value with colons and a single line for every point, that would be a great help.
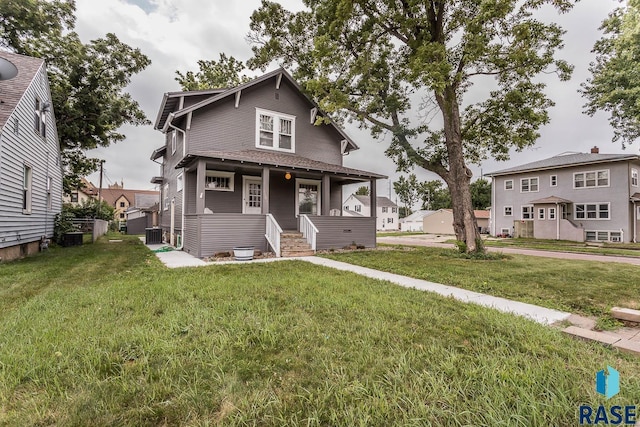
x: 191, y: 235
x: 43, y: 156
x: 222, y: 127
x: 170, y: 175
x: 190, y: 192
x: 223, y: 232
x: 336, y: 197
x: 616, y: 194
x: 335, y: 232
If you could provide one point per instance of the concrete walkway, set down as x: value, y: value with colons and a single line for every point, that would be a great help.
x: 419, y: 240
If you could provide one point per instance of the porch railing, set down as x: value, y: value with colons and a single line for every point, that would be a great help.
x: 273, y: 234
x: 308, y: 230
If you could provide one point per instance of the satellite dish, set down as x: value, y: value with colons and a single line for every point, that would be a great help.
x: 7, y: 69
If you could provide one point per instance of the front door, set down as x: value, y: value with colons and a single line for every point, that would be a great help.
x: 252, y: 195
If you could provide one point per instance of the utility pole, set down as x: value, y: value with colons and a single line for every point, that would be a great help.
x: 100, y: 189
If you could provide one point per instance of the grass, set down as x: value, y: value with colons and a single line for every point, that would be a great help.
x: 398, y: 233
x: 581, y: 287
x: 104, y: 335
x: 616, y: 249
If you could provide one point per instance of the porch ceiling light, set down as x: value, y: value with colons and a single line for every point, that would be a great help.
x: 287, y: 176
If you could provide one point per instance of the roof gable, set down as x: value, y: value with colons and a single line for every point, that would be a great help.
x: 564, y: 161
x: 12, y: 90
x: 277, y: 75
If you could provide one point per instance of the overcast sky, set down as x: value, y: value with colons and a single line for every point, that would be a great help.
x: 175, y: 34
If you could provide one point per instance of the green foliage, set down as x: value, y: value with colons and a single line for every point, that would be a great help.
x: 403, y: 212
x: 433, y: 196
x: 362, y: 191
x: 91, y: 208
x: 615, y: 85
x: 407, y: 191
x: 368, y: 60
x: 63, y: 223
x: 224, y: 73
x: 480, y: 194
x: 87, y: 80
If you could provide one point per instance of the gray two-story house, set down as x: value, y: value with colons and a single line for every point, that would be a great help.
x: 573, y: 196
x: 30, y: 169
x: 249, y: 165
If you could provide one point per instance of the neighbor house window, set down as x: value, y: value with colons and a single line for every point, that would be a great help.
x: 346, y: 208
x: 528, y: 185
x: 591, y: 179
x: 603, y: 236
x: 527, y: 212
x: 122, y: 204
x: 508, y: 211
x: 552, y: 213
x: 39, y: 118
x: 553, y: 180
x: 27, y: 182
x: 508, y: 184
x: 384, y: 209
x: 358, y: 208
x: 121, y: 215
x: 634, y: 177
x: 394, y: 210
x: 592, y: 211
x: 219, y: 181
x: 275, y: 131
x: 390, y: 220
x: 541, y: 212
x: 179, y: 183
x: 74, y: 197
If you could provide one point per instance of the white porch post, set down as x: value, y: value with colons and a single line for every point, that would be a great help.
x: 374, y: 200
x: 265, y: 190
x: 200, y: 181
x: 325, y: 204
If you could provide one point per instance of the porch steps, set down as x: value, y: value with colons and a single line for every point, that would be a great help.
x: 292, y: 244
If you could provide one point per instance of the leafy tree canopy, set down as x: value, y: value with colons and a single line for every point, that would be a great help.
x: 87, y: 80
x: 381, y: 61
x: 362, y: 191
x: 407, y: 191
x: 226, y: 72
x: 481, y: 194
x: 615, y: 85
x: 434, y: 196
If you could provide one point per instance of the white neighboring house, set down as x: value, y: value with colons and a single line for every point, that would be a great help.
x: 386, y: 212
x: 413, y: 222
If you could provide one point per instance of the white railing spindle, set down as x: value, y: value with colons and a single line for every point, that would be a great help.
x: 308, y: 230
x: 273, y: 234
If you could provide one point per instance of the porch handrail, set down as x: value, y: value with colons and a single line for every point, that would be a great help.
x: 273, y: 233
x: 308, y: 230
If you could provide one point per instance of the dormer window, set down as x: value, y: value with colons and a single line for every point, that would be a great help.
x: 275, y: 131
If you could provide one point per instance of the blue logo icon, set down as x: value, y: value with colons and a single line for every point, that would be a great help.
x: 608, y: 385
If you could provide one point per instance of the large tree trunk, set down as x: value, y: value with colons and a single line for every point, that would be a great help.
x: 459, y: 177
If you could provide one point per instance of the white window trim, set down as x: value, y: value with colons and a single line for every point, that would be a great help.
x: 533, y: 213
x: 505, y: 184
x: 634, y: 172
x: 551, y: 184
x: 529, y: 179
x: 308, y: 181
x: 608, y: 171
x: 550, y: 215
x: 179, y: 182
x: 542, y: 214
x: 603, y: 231
x: 575, y: 211
x: 28, y: 187
x: 276, y: 130
x: 504, y: 211
x: 221, y: 174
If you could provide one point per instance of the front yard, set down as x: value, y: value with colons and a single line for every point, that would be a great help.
x: 103, y: 334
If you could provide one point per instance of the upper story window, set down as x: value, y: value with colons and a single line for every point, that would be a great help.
x: 592, y: 211
x: 591, y: 179
x: 275, y: 131
x: 40, y: 118
x: 553, y: 181
x: 508, y: 184
x: 508, y: 211
x: 384, y: 209
x: 528, y: 185
x: 358, y: 208
x: 122, y: 204
x: 634, y: 177
x: 394, y: 210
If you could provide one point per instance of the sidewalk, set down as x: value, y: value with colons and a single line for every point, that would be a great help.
x: 624, y: 339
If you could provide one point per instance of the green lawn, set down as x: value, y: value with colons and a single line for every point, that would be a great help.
x: 104, y: 335
x: 398, y: 233
x: 582, y: 287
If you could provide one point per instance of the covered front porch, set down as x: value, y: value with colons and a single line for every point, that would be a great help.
x: 231, y: 202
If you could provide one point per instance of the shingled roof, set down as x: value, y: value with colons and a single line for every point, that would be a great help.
x: 381, y: 201
x: 11, y: 91
x: 566, y: 160
x: 279, y: 160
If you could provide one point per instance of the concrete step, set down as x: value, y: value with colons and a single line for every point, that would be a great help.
x: 628, y: 346
x: 591, y: 335
x: 295, y: 248
x: 293, y: 241
x: 292, y: 253
x: 287, y: 235
x: 626, y: 314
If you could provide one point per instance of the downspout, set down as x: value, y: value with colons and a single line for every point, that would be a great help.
x: 184, y: 181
